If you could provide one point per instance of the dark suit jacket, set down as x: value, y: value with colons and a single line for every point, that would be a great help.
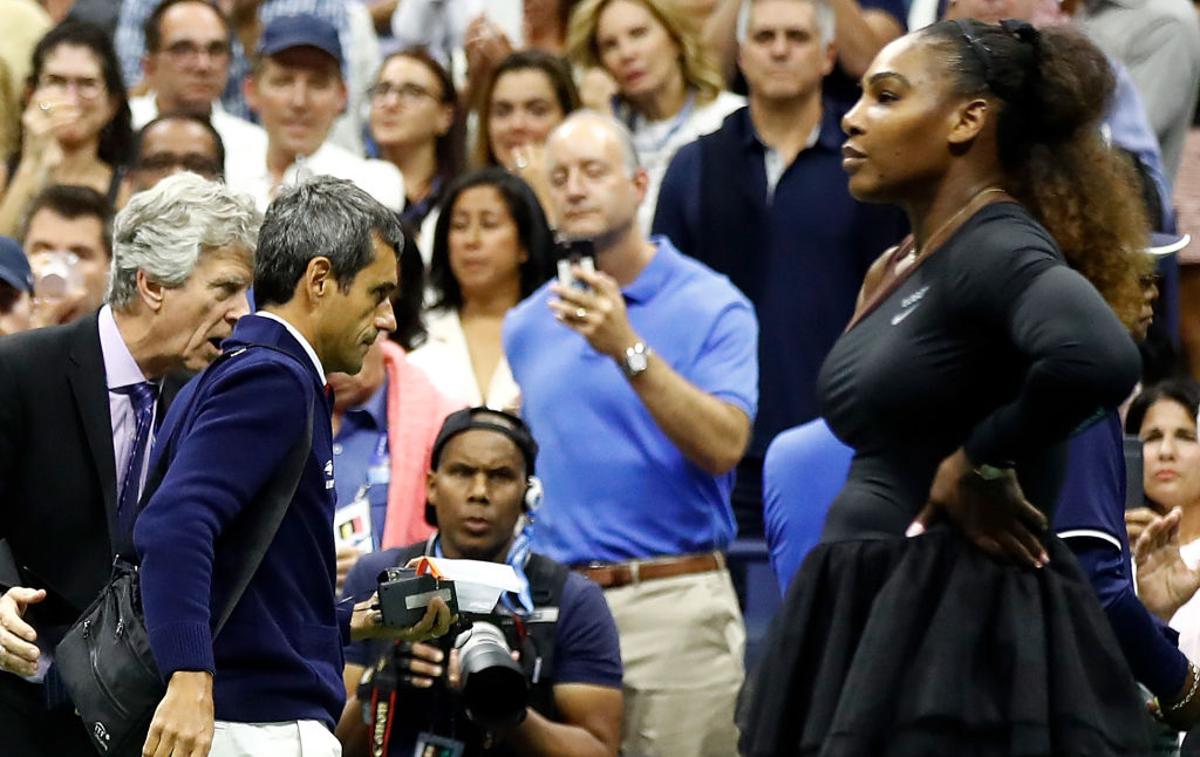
x: 57, y: 475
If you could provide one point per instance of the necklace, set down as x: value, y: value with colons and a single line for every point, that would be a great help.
x: 936, y: 237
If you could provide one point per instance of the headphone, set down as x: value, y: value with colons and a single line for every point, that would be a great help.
x: 512, y: 427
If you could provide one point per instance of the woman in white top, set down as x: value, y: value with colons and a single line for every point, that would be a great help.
x: 491, y: 249
x: 1164, y: 418
x: 669, y: 88
x: 414, y: 126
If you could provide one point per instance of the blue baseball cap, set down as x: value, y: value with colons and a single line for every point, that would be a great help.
x: 300, y: 30
x: 14, y: 266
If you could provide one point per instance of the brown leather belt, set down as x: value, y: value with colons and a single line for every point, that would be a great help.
x: 616, y: 575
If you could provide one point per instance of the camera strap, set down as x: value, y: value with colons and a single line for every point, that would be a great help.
x: 383, y: 709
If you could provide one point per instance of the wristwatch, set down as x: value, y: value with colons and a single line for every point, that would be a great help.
x: 637, y: 360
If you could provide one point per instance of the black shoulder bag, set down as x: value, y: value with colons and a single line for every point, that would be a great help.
x: 105, y: 660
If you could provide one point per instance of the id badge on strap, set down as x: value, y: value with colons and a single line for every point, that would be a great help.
x: 429, y: 745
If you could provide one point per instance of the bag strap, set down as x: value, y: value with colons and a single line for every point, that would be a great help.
x: 251, y: 533
x: 254, y: 531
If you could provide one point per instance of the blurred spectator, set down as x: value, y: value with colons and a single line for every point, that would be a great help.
x: 764, y: 200
x: 186, y: 65
x: 25, y: 22
x: 297, y: 90
x: 487, y: 32
x: 102, y: 13
x: 10, y: 113
x: 491, y: 249
x: 804, y: 469
x: 1159, y: 40
x: 16, y: 288
x: 385, y: 419
x: 669, y: 89
x: 654, y: 364
x: 1164, y: 418
x: 172, y: 144
x: 1187, y: 199
x: 77, y: 405
x: 68, y: 239
x: 529, y: 95
x: 247, y: 19
x: 76, y: 125
x: 480, y: 479
x: 468, y: 37
x: 415, y: 125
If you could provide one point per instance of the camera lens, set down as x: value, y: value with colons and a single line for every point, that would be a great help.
x: 494, y: 686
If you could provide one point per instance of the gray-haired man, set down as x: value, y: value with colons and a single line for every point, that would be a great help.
x: 78, y: 408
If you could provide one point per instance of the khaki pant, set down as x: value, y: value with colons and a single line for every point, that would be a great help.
x: 682, y: 641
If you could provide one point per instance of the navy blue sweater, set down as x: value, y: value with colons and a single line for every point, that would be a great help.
x: 279, y: 657
x: 1090, y: 518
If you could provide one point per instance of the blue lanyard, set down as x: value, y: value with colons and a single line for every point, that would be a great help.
x: 680, y: 119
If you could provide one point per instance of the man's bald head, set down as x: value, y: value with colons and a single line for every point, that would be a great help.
x: 590, y: 125
x: 596, y: 184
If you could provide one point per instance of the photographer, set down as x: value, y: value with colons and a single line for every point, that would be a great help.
x: 480, y: 482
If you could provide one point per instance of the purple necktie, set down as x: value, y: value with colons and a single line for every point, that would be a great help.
x: 142, y: 396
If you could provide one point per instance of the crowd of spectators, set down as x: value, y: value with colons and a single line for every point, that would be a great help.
x: 696, y: 145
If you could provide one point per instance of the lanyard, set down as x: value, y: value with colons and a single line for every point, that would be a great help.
x: 378, y: 473
x: 631, y: 118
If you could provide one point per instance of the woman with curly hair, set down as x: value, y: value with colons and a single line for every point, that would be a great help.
x: 979, y: 345
x: 76, y: 125
x: 669, y: 90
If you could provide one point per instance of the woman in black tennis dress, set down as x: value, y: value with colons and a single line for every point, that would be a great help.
x: 978, y: 346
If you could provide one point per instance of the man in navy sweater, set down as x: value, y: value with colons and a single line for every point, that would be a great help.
x: 325, y: 267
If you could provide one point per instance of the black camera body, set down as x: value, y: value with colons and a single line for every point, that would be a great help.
x: 404, y: 596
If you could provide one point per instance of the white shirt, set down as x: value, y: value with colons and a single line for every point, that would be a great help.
x: 378, y: 178
x: 308, y: 350
x: 658, y: 141
x: 242, y: 140
x: 446, y: 359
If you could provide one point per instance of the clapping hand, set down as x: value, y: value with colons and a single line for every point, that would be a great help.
x: 1164, y: 581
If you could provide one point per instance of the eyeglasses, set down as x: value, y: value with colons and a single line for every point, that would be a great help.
x: 165, y: 162
x: 407, y: 93
x: 86, y: 88
x: 184, y: 50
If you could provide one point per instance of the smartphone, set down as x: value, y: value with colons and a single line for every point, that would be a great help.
x: 575, y: 252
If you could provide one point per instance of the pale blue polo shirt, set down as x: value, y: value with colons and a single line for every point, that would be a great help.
x: 616, y: 488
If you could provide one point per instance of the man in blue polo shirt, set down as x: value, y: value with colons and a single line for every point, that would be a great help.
x: 764, y: 200
x: 640, y: 384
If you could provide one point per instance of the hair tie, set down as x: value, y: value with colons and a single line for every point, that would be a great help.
x: 1022, y: 30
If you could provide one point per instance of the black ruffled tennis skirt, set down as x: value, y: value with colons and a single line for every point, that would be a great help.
x: 927, y: 646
